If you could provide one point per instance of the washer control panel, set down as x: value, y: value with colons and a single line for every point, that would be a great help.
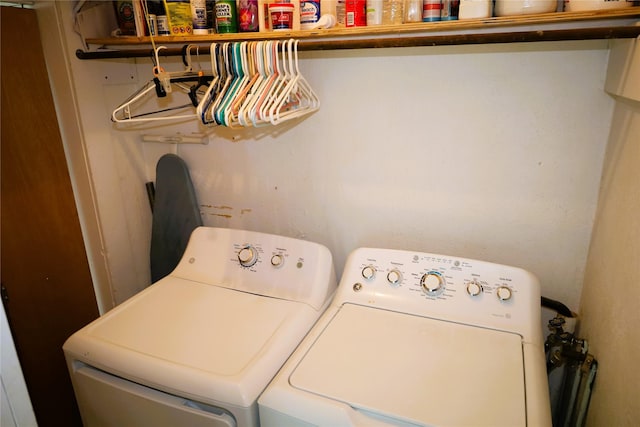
x: 444, y: 287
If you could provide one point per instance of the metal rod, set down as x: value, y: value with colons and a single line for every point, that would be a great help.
x: 408, y: 41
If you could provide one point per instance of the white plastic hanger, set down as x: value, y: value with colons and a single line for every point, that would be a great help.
x: 210, y: 115
x: 166, y: 77
x: 251, y: 76
x: 211, y: 92
x: 297, y: 98
x: 160, y: 85
x: 288, y: 83
x: 274, y: 88
x: 250, y: 84
x: 257, y: 81
x: 269, y: 77
x: 238, y: 59
x: 124, y: 112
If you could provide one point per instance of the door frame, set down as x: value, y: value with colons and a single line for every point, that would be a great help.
x: 57, y: 58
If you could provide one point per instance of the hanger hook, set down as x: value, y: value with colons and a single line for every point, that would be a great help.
x: 158, y: 68
x: 186, y: 55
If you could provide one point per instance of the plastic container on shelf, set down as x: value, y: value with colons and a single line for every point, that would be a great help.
x: 475, y: 9
x: 450, y: 10
x: 309, y: 13
x: 374, y: 12
x: 431, y: 10
x: 413, y: 11
x: 393, y: 12
x: 524, y: 7
x: 281, y: 16
x: 580, y: 5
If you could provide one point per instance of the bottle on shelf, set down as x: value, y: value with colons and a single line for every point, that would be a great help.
x: 309, y: 13
x: 412, y: 11
x: 449, y: 10
x: 352, y: 12
x: 374, y: 12
x: 393, y: 12
x: 226, y: 16
x: 248, y: 19
x: 199, y: 17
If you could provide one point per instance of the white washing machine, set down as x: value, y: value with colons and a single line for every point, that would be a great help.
x: 417, y: 339
x: 199, y: 346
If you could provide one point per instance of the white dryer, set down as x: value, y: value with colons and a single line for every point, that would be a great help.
x: 418, y: 339
x: 199, y: 346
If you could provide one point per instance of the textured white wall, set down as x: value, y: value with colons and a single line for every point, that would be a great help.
x: 489, y: 152
x: 484, y: 152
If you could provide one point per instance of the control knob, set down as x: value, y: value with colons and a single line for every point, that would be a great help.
x: 247, y: 256
x: 394, y: 277
x: 503, y: 293
x: 474, y: 288
x: 277, y: 260
x: 369, y: 272
x: 432, y: 282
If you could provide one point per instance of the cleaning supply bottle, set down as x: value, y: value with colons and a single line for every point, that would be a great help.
x: 199, y: 17
x: 226, y: 16
x: 374, y: 12
x: 248, y: 18
x: 309, y: 13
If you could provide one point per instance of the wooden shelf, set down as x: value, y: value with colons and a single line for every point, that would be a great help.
x: 620, y: 23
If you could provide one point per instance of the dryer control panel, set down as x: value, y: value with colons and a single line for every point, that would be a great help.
x: 443, y: 287
x: 259, y: 263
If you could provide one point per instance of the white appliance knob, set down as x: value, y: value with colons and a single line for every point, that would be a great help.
x: 432, y: 282
x: 474, y: 288
x: 277, y: 260
x: 394, y: 277
x: 368, y: 272
x: 247, y: 256
x: 503, y: 293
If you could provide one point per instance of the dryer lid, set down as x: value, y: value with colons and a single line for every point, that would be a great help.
x: 187, y: 337
x: 417, y: 369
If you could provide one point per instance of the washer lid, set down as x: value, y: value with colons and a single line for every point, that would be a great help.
x: 417, y: 369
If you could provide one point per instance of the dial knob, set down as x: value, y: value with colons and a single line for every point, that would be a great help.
x: 474, y: 288
x: 277, y: 260
x: 369, y: 272
x: 394, y: 277
x: 503, y: 293
x: 432, y: 282
x: 247, y: 256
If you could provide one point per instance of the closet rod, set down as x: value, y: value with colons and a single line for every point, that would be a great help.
x: 409, y: 41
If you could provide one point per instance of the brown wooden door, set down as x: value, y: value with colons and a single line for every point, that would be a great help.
x: 49, y: 293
